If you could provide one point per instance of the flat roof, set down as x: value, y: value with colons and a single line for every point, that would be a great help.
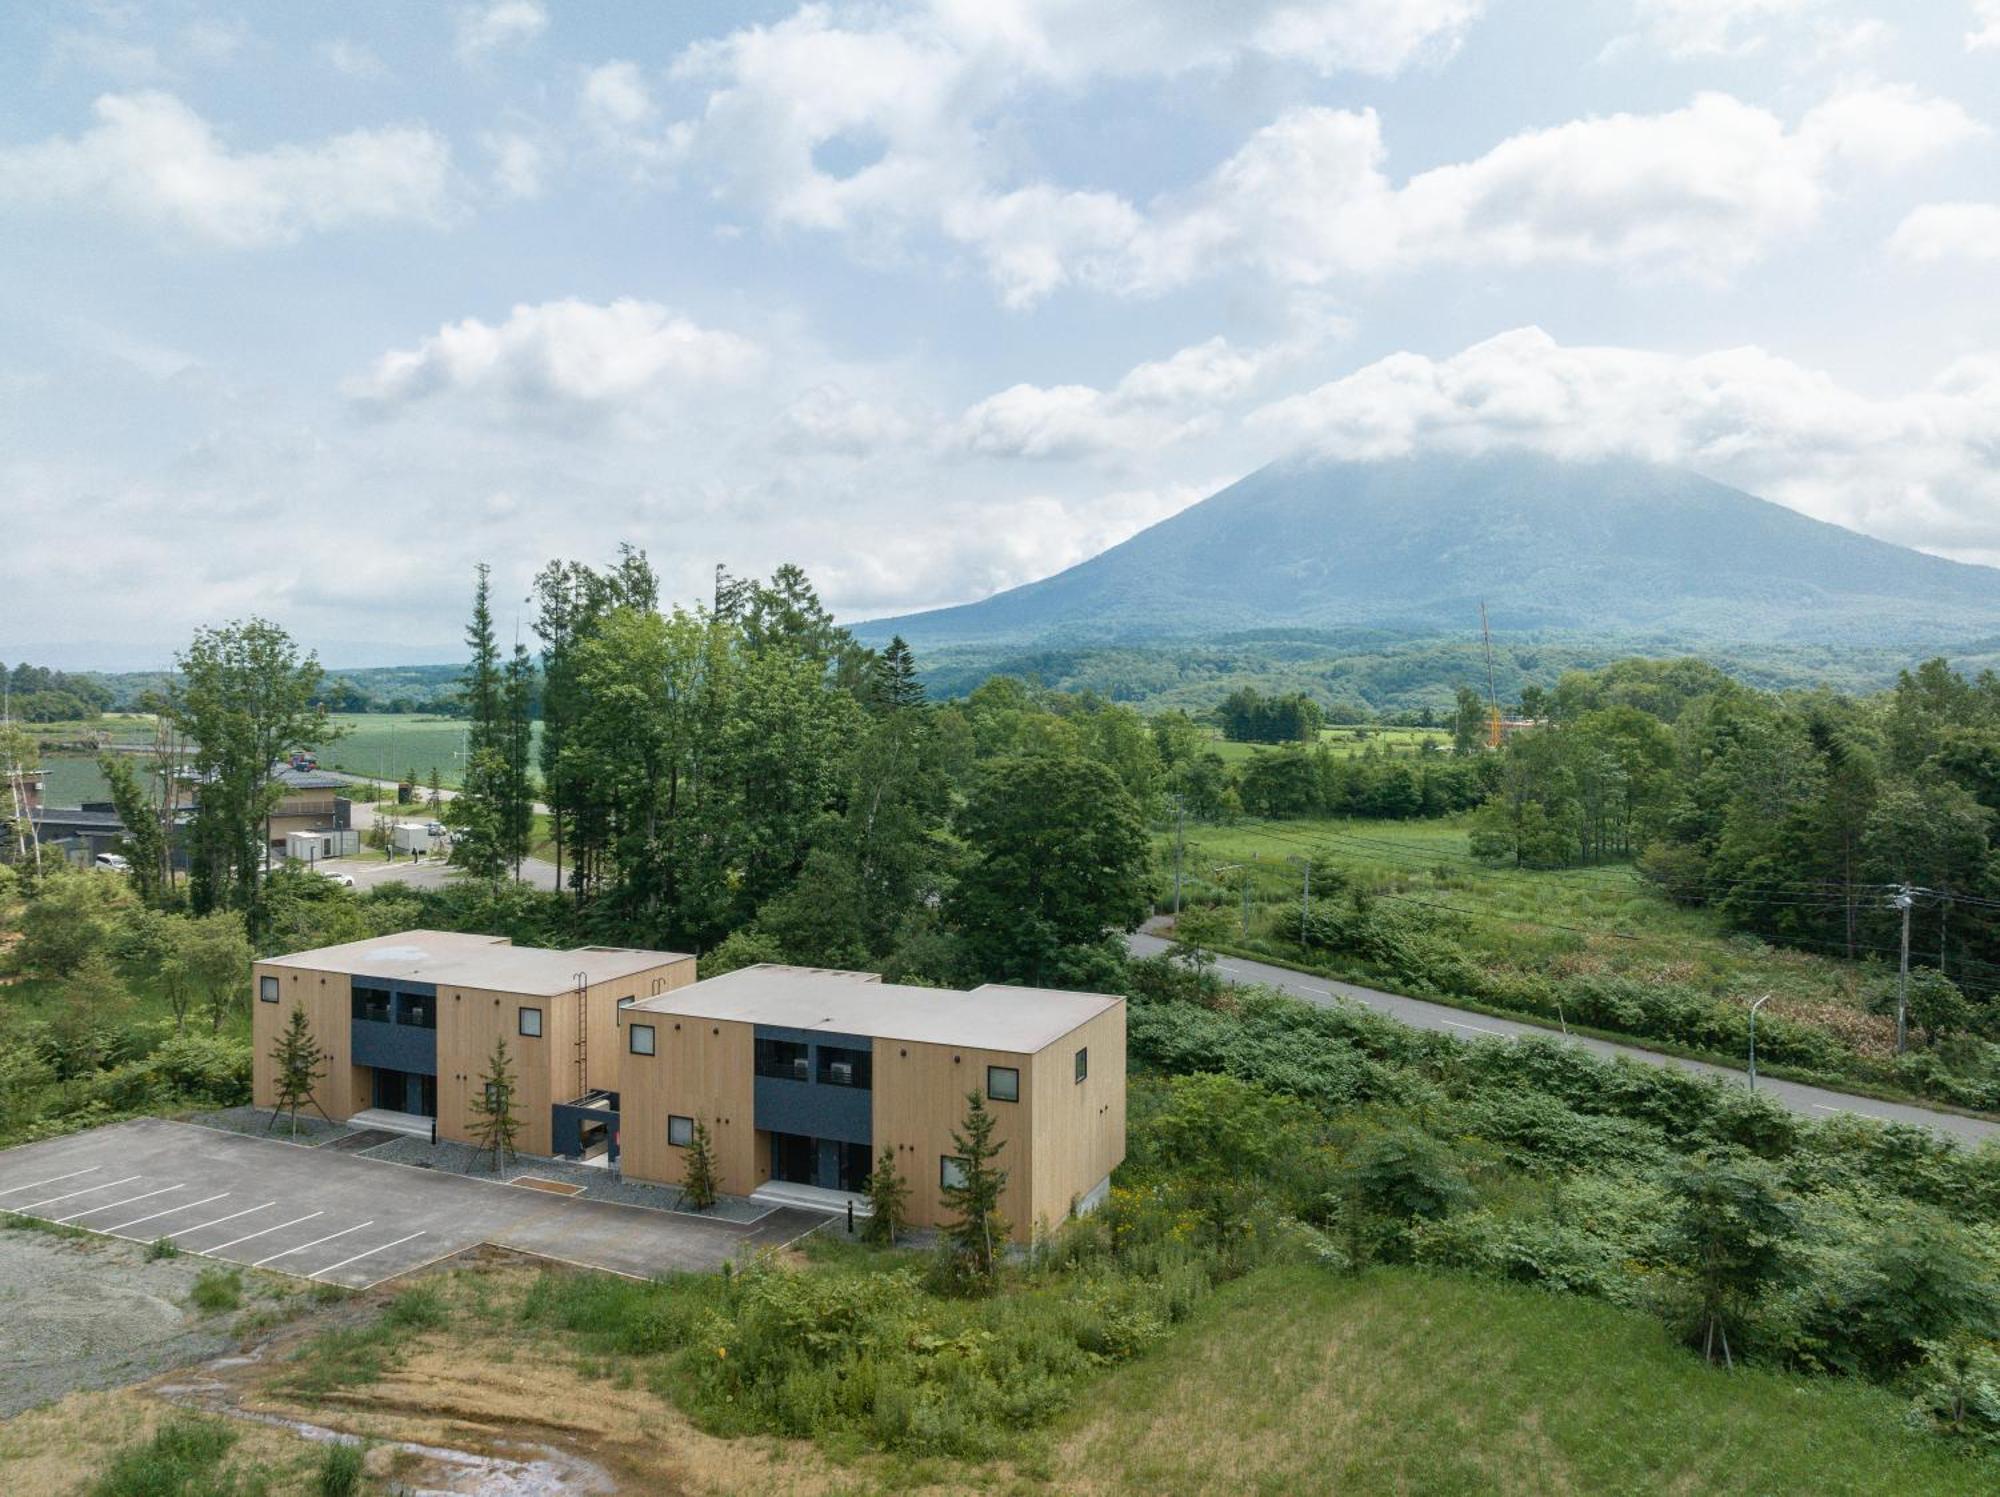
x: 455, y: 959
x: 993, y: 1017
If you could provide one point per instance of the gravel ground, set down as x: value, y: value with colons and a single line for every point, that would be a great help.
x: 601, y: 1185
x: 313, y: 1129
x: 91, y: 1312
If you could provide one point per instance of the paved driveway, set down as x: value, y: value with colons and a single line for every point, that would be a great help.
x: 329, y: 1216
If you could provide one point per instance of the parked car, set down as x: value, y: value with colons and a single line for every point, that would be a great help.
x: 110, y: 862
x: 345, y: 880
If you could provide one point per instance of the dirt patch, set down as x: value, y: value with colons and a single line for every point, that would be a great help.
x: 93, y: 1312
x: 62, y: 1446
x: 553, y: 1187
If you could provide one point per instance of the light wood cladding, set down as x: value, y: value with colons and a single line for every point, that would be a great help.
x: 699, y: 1069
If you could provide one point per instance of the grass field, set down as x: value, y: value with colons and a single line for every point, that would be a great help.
x: 1294, y: 1381
x: 1573, y: 921
x: 1289, y: 1381
x: 1343, y: 740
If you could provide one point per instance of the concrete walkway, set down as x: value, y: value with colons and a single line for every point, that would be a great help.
x: 1810, y: 1101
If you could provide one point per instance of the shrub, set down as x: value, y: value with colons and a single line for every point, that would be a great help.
x: 217, y: 1289
x: 340, y: 1470
x: 182, y: 1459
x: 161, y: 1247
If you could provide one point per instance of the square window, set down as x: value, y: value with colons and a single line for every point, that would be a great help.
x: 531, y: 1023
x: 680, y: 1131
x: 641, y: 1039
x: 951, y: 1171
x: 267, y: 989
x: 1003, y: 1083
x: 492, y: 1096
x: 627, y: 1002
x: 1083, y: 1063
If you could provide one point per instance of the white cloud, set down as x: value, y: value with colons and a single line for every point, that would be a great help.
x: 870, y: 123
x: 1916, y: 466
x: 351, y: 58
x: 1715, y: 28
x: 576, y: 352
x: 1154, y: 405
x: 484, y: 29
x: 877, y: 133
x: 1949, y: 231
x: 1072, y: 39
x: 1699, y: 191
x: 1985, y: 26
x: 519, y: 163
x: 151, y: 156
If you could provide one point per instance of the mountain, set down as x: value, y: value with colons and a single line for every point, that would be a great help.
x: 1615, y: 550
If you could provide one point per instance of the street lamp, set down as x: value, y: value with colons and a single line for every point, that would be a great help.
x: 1753, y: 1038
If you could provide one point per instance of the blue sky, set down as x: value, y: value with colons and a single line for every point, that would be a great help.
x: 306, y: 309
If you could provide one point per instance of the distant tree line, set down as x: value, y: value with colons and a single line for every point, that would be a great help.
x: 36, y: 694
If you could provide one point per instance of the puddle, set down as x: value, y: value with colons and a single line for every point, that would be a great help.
x: 532, y: 1470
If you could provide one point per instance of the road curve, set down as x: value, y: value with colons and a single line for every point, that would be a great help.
x: 1810, y: 1101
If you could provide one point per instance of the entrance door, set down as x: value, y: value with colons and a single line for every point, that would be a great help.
x: 391, y: 1090
x: 794, y: 1159
x: 427, y: 1096
x: 855, y: 1166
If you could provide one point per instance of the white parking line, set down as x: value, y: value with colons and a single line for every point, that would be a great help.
x: 221, y: 1219
x: 369, y: 1254
x: 313, y: 1244
x: 84, y: 1192
x: 265, y: 1233
x: 114, y: 1205
x: 1824, y: 1108
x: 52, y: 1179
x: 188, y: 1206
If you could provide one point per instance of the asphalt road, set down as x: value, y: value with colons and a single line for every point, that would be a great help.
x: 1811, y: 1101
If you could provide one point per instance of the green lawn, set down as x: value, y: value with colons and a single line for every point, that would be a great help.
x: 1296, y: 1381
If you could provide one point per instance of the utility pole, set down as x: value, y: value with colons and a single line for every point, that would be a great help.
x: 1180, y: 849
x: 1753, y: 1038
x: 1903, y: 898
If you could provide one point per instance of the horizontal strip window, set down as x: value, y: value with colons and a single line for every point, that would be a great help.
x: 1003, y: 1083
x: 786, y: 1060
x: 639, y: 1038
x: 417, y: 1012
x: 839, y: 1066
x: 372, y: 1004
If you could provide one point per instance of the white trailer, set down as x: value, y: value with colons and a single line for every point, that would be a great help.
x: 415, y: 836
x: 318, y: 845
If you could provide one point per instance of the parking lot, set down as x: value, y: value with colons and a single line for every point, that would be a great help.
x: 331, y: 1217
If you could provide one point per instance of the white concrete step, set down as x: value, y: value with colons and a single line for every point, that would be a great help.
x: 393, y: 1122
x: 811, y: 1197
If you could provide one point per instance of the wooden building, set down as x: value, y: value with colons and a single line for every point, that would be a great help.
x: 802, y: 1076
x: 409, y: 1023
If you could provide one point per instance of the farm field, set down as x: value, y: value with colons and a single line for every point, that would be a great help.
x: 388, y: 745
x: 1343, y: 741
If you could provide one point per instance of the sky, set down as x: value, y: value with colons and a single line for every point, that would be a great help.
x: 306, y: 310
